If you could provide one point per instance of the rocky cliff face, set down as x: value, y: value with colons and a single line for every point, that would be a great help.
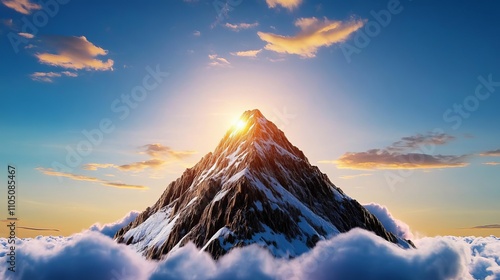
x: 256, y: 187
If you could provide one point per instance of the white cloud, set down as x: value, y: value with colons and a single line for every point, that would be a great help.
x: 110, y: 229
x: 397, y: 227
x: 240, y: 26
x: 357, y: 254
x: 26, y: 35
x: 197, y: 33
x: 250, y: 53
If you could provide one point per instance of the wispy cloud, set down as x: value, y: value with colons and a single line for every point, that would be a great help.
x: 141, y: 165
x: 29, y: 228
x: 403, y: 154
x: 382, y: 159
x: 250, y: 53
x: 160, y: 156
x: 49, y: 77
x: 240, y: 26
x: 491, y: 163
x: 416, y: 141
x: 217, y: 61
x: 288, y: 4
x: 26, y: 35
x: 22, y: 6
x: 314, y: 34
x: 37, y: 229
x: 76, y: 177
x: 73, y: 52
x: 159, y: 151
x: 347, y: 177
x: 196, y: 33
x: 493, y: 226
x: 493, y: 153
x: 95, y: 166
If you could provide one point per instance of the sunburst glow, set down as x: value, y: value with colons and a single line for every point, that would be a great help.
x: 240, y: 125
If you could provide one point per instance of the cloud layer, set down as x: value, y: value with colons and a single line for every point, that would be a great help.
x: 314, y: 34
x: 75, y: 53
x: 357, y: 254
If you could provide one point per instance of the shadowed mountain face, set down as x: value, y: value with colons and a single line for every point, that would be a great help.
x: 255, y: 188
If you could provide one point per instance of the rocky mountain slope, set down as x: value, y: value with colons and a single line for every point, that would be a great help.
x: 256, y: 187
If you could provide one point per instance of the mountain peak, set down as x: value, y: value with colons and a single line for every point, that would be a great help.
x: 250, y: 123
x: 253, y: 133
x: 255, y: 188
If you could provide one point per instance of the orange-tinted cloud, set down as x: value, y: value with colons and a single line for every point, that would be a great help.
x: 215, y: 60
x: 250, y: 53
x: 141, y: 165
x: 22, y: 6
x: 288, y: 4
x: 407, y: 153
x: 76, y: 177
x: 76, y: 53
x: 95, y: 166
x: 314, y: 34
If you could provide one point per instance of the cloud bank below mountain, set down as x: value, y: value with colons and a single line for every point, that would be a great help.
x: 357, y: 254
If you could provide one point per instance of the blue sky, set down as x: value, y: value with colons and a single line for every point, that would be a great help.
x: 342, y: 85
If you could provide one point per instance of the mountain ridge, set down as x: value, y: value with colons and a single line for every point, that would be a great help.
x: 256, y: 187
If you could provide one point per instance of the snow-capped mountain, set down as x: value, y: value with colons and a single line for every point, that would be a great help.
x: 256, y: 187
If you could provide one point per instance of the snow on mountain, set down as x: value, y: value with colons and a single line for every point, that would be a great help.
x: 255, y: 188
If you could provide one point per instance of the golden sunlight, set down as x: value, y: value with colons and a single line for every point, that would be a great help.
x: 240, y: 125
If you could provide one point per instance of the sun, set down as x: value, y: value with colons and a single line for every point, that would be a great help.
x: 240, y: 125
